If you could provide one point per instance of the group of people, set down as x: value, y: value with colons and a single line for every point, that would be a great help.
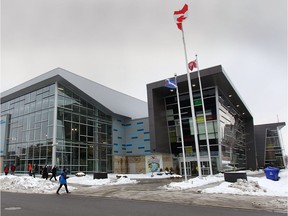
x: 12, y: 168
x: 43, y: 171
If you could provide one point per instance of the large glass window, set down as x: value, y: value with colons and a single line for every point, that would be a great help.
x: 81, y: 130
x: 232, y: 137
x: 273, y: 151
x: 172, y: 117
x: 85, y: 128
x: 28, y: 140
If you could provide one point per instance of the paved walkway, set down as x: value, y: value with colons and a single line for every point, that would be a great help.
x: 152, y: 190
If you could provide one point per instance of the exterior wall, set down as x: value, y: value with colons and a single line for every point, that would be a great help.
x: 118, y: 136
x: 120, y: 164
x: 250, y: 146
x: 168, y: 162
x: 157, y: 121
x: 138, y: 164
x: 131, y: 142
x: 137, y: 137
x: 131, y: 137
x: 129, y: 165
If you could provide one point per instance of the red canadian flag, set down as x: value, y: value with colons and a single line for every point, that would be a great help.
x: 180, y: 16
x: 192, y: 65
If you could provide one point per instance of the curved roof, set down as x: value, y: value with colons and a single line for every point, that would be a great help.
x: 111, y: 100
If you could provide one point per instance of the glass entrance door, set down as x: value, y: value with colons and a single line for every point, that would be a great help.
x: 192, y: 168
x: 188, y: 168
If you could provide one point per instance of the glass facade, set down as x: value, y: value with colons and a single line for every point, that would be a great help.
x: 188, y: 131
x: 30, y: 129
x: 84, y: 133
x: 273, y: 150
x: 224, y: 125
x: 231, y: 137
x: 172, y: 116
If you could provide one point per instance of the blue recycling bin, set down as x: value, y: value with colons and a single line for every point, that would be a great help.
x: 272, y: 173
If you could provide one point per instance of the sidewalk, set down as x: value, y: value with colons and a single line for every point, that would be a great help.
x: 152, y: 190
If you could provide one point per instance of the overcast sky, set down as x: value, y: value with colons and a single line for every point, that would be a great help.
x: 127, y: 44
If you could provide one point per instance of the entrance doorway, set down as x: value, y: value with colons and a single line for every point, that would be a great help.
x: 192, y: 168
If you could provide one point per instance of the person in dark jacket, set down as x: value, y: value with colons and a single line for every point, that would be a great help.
x: 33, y: 170
x: 45, y: 172
x: 63, y: 181
x: 54, y: 170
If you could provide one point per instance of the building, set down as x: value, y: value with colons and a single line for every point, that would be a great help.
x: 229, y: 122
x: 60, y: 118
x: 64, y: 119
x: 269, y: 144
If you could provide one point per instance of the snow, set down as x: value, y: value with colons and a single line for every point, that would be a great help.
x: 259, y: 186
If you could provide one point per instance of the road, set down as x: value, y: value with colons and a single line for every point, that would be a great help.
x: 14, y: 204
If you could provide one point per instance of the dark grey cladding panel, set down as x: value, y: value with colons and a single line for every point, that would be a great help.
x: 214, y: 76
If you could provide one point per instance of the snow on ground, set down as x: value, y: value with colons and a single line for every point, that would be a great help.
x: 195, y: 182
x: 260, y: 186
x: 28, y: 184
x: 111, y: 180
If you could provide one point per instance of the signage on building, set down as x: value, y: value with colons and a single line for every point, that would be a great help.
x: 153, y: 163
x: 197, y: 102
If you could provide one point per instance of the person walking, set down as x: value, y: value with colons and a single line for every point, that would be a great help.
x: 13, y: 168
x: 45, y: 172
x: 30, y: 169
x: 54, y: 171
x: 33, y: 170
x: 63, y: 181
x: 6, y: 170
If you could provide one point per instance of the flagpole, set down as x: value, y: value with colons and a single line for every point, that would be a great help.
x: 204, y: 114
x: 192, y: 108
x: 181, y: 129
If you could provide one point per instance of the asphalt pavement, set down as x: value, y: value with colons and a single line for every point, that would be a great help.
x: 16, y: 204
x: 152, y: 190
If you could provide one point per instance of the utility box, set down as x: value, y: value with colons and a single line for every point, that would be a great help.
x: 233, y: 176
x: 100, y: 175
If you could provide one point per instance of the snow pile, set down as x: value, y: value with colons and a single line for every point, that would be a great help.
x: 247, y: 186
x: 145, y: 176
x: 28, y: 184
x: 88, y: 180
x: 123, y: 180
x: 195, y: 182
x: 257, y: 186
x: 79, y: 174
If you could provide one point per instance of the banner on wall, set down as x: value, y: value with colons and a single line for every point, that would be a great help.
x: 4, y: 122
x: 153, y: 163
